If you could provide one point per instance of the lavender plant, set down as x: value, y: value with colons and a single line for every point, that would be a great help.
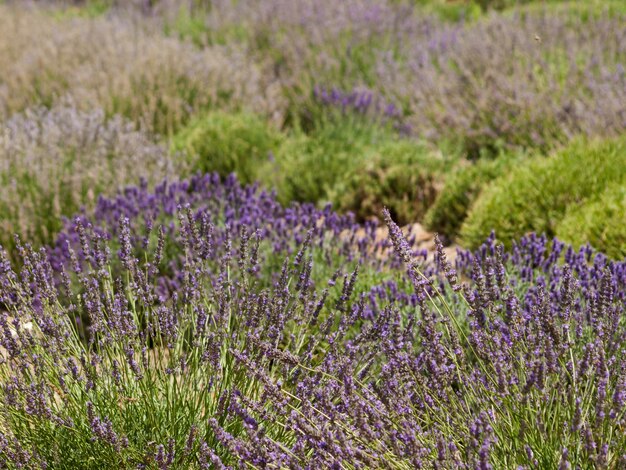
x: 122, y: 66
x: 512, y: 369
x: 335, y: 239
x: 517, y: 80
x: 53, y: 161
x: 532, y: 79
x: 360, y: 105
x: 182, y: 364
x: 201, y: 324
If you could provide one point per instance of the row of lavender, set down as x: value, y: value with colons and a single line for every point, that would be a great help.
x: 203, y: 325
x: 533, y: 78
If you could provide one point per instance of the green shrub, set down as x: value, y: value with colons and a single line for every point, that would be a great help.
x: 357, y: 167
x: 227, y: 143
x: 460, y: 191
x: 309, y: 166
x: 193, y: 23
x: 583, y: 11
x: 452, y: 11
x: 600, y: 223
x: 292, y: 175
x: 91, y: 9
x: 402, y: 175
x: 184, y: 24
x: 535, y: 196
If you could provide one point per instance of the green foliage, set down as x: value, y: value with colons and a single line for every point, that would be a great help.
x: 451, y: 10
x: 536, y: 195
x: 309, y: 166
x: 460, y: 191
x: 190, y: 22
x: 90, y: 9
x: 600, y: 222
x: 228, y: 142
x: 37, y: 203
x: 353, y: 161
x: 402, y: 175
x: 357, y: 166
x: 187, y: 25
x: 487, y: 5
x: 583, y: 10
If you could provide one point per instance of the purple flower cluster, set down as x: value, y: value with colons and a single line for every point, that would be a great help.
x: 536, y: 260
x: 507, y: 360
x: 232, y: 210
x: 362, y: 102
x: 358, y: 101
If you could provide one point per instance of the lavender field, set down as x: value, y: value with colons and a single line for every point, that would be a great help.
x: 297, y: 234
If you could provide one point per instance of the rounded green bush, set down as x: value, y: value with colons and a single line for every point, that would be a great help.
x: 600, y: 223
x: 228, y: 142
x: 461, y: 188
x: 535, y: 196
x: 402, y: 175
x: 358, y: 168
x: 309, y: 166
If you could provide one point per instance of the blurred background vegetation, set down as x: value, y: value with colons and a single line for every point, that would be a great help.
x: 465, y: 116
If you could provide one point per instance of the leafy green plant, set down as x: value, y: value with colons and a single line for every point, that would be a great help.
x: 535, y: 196
x: 309, y: 166
x: 359, y: 166
x: 578, y: 10
x: 186, y: 24
x: 599, y: 222
x: 446, y: 215
x: 90, y: 9
x: 228, y: 142
x: 403, y: 175
x: 453, y: 11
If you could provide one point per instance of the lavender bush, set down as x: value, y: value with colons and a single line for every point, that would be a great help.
x: 523, y: 80
x: 53, y: 161
x: 123, y: 67
x: 335, y: 240
x: 533, y: 78
x: 200, y: 323
x: 521, y: 366
x: 358, y: 104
